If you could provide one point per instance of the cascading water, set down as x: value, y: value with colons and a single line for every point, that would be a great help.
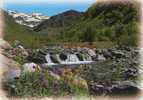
x: 68, y: 59
x: 48, y: 59
x: 72, y: 58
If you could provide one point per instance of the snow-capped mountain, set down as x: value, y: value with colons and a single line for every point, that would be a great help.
x: 30, y: 20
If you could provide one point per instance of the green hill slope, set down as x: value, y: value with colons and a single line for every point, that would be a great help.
x: 59, y: 22
x: 27, y: 37
x: 107, y: 22
x: 40, y: 36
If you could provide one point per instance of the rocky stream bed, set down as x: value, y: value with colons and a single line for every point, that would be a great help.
x: 105, y: 71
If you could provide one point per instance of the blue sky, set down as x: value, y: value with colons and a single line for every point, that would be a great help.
x: 47, y: 7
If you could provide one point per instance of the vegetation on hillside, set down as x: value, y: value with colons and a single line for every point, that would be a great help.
x: 107, y: 22
x: 27, y: 37
x: 117, y: 23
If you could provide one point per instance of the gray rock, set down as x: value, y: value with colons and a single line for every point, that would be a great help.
x: 12, y: 74
x: 63, y: 56
x: 118, y: 53
x: 125, y: 87
x: 101, y: 58
x: 107, y: 54
x: 54, y: 59
x: 91, y: 52
x: 4, y: 44
x: 43, y: 52
x: 30, y: 67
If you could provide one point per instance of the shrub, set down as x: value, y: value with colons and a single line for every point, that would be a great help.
x: 42, y: 84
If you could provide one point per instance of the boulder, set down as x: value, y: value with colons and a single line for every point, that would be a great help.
x: 30, y: 67
x: 12, y: 74
x: 4, y: 44
x: 9, y: 69
x: 91, y: 52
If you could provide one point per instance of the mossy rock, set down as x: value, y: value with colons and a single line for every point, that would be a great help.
x: 80, y: 56
x: 54, y: 58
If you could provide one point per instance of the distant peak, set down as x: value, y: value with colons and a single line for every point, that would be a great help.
x: 72, y: 11
x: 30, y: 20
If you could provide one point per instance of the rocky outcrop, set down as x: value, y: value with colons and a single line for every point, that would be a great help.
x: 9, y: 68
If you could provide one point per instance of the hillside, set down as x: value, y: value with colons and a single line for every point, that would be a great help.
x: 101, y: 24
x: 59, y: 22
x: 40, y: 36
x: 107, y: 22
x: 14, y: 31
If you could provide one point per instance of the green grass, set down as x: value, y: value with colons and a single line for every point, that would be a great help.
x: 30, y: 85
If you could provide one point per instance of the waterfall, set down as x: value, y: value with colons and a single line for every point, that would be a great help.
x: 55, y: 59
x: 87, y: 57
x: 48, y: 59
x: 72, y: 58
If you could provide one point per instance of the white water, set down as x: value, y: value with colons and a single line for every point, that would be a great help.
x: 48, y: 59
x: 87, y: 58
x: 71, y: 60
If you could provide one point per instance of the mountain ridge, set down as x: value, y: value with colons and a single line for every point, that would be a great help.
x: 60, y: 20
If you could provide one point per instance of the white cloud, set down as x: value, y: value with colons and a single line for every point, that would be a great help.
x: 48, y: 1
